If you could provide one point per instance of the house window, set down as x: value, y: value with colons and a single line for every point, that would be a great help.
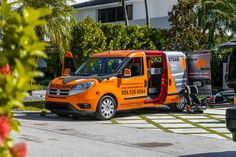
x: 114, y: 14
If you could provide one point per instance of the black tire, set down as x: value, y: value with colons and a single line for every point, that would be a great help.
x: 61, y: 114
x: 106, y: 108
x: 179, y: 107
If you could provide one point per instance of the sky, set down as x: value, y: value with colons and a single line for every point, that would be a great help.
x: 77, y: 1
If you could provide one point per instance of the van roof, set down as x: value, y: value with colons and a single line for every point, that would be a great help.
x: 118, y: 53
x: 125, y: 53
x: 174, y: 53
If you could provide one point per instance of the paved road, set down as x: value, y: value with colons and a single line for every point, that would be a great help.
x: 53, y: 136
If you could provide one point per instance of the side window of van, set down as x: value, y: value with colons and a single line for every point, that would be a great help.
x: 136, y: 66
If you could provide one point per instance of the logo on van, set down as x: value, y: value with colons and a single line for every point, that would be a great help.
x: 61, y: 86
x: 173, y: 59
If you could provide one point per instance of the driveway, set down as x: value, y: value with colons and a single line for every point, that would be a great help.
x: 134, y: 133
x: 210, y: 124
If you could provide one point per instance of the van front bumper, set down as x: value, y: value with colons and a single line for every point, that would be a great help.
x: 66, y: 108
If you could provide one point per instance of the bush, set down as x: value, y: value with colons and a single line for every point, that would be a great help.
x: 19, y: 47
x: 120, y: 37
x: 116, y: 36
x: 87, y: 39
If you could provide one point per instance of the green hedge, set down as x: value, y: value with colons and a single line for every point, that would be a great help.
x: 131, y: 37
x: 89, y: 37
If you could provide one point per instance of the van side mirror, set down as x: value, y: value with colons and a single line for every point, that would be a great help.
x: 67, y: 71
x: 127, y: 72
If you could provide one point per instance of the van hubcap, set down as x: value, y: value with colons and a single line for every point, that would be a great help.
x: 182, y: 104
x: 107, y: 108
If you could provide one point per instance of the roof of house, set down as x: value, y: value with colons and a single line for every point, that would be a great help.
x: 92, y: 3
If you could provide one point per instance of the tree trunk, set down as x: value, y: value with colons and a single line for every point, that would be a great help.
x: 147, y: 14
x: 125, y: 13
x: 211, y: 36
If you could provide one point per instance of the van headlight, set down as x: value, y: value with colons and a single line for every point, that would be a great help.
x: 81, y: 87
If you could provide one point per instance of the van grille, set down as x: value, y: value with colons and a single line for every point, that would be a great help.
x: 58, y: 106
x: 58, y: 92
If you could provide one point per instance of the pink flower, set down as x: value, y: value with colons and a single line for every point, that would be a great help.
x: 19, y: 150
x: 6, y: 69
x: 4, y: 128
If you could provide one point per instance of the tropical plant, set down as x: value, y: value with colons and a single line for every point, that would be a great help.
x: 185, y: 34
x: 59, y: 23
x: 199, y: 20
x: 19, y: 46
x: 216, y: 17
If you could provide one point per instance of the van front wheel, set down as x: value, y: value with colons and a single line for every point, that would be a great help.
x: 106, y: 108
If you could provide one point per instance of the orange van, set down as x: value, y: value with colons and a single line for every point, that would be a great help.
x: 120, y: 80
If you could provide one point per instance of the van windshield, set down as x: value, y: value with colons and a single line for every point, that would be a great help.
x: 99, y: 66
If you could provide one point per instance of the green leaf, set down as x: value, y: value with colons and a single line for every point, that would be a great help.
x: 15, y: 125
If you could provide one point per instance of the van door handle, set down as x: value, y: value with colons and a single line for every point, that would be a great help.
x: 145, y: 83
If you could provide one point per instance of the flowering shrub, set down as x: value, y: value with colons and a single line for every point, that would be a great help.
x: 19, y: 48
x: 4, y: 128
x: 18, y: 150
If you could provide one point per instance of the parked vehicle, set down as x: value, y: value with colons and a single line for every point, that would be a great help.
x: 221, y: 96
x: 231, y: 66
x: 121, y: 80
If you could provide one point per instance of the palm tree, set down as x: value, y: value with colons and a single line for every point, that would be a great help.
x: 147, y: 13
x: 59, y: 23
x: 215, y: 17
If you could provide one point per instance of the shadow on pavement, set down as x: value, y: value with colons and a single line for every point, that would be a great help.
x: 52, y: 117
x: 213, y: 154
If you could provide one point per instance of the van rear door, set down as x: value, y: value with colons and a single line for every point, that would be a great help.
x: 157, y: 76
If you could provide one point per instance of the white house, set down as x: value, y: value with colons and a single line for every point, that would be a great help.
x: 111, y: 11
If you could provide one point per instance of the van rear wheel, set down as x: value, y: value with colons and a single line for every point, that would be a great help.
x: 106, y: 108
x: 179, y: 107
